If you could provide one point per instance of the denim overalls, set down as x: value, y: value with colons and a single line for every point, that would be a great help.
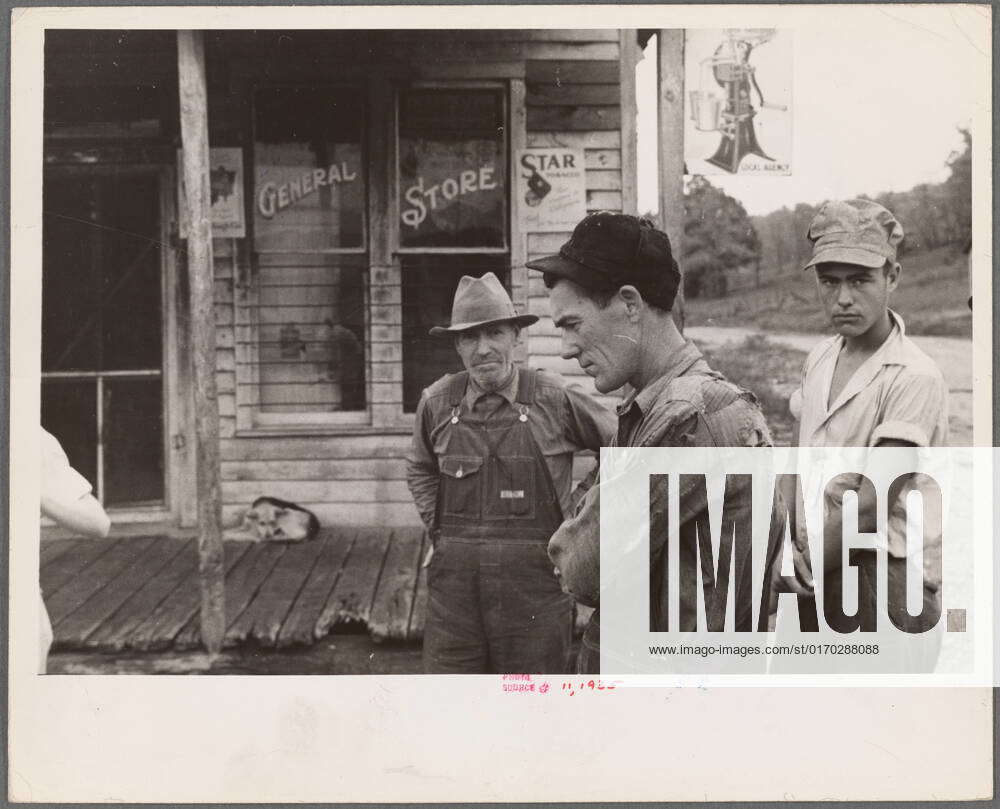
x: 494, y: 602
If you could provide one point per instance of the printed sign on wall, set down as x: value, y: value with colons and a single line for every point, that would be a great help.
x: 739, y: 83
x: 551, y: 189
x: 226, y: 174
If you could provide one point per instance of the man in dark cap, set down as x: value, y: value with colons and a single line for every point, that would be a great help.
x: 490, y: 470
x: 611, y: 290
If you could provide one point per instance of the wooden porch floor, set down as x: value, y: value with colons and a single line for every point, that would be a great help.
x: 141, y: 593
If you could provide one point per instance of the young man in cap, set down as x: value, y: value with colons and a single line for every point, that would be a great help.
x: 869, y: 385
x: 611, y: 290
x: 491, y: 474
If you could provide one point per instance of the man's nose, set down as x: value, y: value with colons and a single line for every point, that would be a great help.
x: 844, y: 297
x: 483, y: 346
x: 569, y: 348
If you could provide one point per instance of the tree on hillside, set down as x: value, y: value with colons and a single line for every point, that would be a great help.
x: 718, y: 238
x: 933, y: 215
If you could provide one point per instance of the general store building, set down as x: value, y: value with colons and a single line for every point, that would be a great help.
x: 356, y: 176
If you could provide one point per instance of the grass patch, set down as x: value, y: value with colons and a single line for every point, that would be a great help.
x: 932, y: 297
x: 770, y: 370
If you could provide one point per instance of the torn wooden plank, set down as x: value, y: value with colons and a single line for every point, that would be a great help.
x: 262, y: 620
x: 390, y: 613
x: 242, y: 585
x: 300, y: 624
x: 352, y: 596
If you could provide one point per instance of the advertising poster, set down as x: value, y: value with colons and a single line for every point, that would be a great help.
x: 739, y: 101
x: 551, y: 189
x: 228, y: 220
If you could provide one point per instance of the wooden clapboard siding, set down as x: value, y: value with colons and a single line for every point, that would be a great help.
x: 562, y: 95
x: 574, y: 118
x: 604, y: 139
x: 385, y: 514
x: 324, y: 469
x: 307, y: 448
x: 567, y: 88
x: 319, y: 491
x: 575, y: 104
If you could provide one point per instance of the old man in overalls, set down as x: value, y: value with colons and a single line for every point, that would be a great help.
x: 491, y: 473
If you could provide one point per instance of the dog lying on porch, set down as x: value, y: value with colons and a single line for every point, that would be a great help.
x: 270, y: 519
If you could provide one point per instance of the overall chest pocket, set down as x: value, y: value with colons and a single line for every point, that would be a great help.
x: 461, y: 486
x: 510, y: 488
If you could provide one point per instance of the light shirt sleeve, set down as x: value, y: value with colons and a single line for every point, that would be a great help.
x: 60, y: 481
x: 913, y: 410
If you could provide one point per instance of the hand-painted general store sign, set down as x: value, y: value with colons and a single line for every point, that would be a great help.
x: 452, y: 193
x: 274, y: 197
x: 422, y: 197
x: 551, y: 189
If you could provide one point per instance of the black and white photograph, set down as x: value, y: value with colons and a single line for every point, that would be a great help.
x: 321, y: 318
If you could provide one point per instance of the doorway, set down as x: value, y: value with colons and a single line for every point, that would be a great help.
x: 104, y: 392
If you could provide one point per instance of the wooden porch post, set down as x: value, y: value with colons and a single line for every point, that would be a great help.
x: 194, y: 138
x: 670, y: 143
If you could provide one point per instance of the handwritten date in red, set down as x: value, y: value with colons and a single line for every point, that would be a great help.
x: 523, y: 683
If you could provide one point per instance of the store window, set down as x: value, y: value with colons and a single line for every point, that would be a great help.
x: 453, y: 213
x: 304, y: 327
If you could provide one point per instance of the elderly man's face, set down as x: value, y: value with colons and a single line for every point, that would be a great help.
x: 488, y: 353
x: 598, y: 337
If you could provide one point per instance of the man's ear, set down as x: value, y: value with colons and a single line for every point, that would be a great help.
x: 892, y: 275
x: 634, y: 304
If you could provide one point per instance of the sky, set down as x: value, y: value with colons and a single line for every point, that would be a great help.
x: 874, y: 108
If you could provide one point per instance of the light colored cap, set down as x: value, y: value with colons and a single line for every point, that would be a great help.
x: 856, y: 231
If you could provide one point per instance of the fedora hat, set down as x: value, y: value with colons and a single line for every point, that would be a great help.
x: 479, y: 301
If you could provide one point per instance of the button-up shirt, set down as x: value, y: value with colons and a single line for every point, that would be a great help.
x: 898, y: 393
x: 689, y: 405
x: 563, y: 420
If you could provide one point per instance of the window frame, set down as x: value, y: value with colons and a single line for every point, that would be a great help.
x: 250, y: 419
x: 365, y: 245
x: 383, y: 356
x: 503, y: 89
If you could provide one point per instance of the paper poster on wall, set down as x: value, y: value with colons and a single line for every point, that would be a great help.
x: 551, y: 189
x: 226, y: 174
x: 739, y: 97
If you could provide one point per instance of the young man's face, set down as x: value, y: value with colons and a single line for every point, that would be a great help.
x: 593, y: 335
x: 488, y: 353
x: 855, y: 298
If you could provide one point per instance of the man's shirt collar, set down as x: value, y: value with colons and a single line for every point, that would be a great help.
x: 508, y: 390
x: 683, y: 359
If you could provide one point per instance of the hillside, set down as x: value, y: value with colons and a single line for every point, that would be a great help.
x: 932, y: 298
